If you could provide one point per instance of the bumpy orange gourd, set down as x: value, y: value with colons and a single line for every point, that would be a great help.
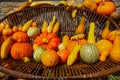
x: 106, y: 8
x: 21, y: 50
x: 115, y: 52
x: 47, y: 40
x: 21, y: 37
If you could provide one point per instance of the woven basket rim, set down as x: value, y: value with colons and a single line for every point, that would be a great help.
x: 73, y: 7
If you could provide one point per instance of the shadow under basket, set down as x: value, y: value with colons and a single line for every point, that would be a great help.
x: 79, y: 70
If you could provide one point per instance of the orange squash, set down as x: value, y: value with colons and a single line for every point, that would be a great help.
x: 80, y: 28
x: 115, y: 52
x: 89, y: 4
x: 104, y: 47
x: 107, y: 45
x: 106, y: 8
x: 21, y: 50
x: 106, y: 30
x: 63, y: 55
x: 21, y: 37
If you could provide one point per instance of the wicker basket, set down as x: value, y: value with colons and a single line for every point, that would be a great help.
x: 79, y: 70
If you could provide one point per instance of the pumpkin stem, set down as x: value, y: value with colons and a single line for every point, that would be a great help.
x: 44, y: 40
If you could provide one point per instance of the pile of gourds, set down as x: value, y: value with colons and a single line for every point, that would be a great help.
x: 47, y: 47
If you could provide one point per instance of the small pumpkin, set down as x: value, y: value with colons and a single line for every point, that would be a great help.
x: 21, y: 50
x: 89, y: 53
x: 37, y: 53
x: 33, y: 32
x: 106, y: 8
x: 49, y: 58
x: 21, y: 37
x: 47, y: 40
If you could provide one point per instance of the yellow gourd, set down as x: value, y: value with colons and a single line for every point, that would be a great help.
x: 27, y: 25
x: 44, y: 26
x: 91, y: 33
x: 115, y: 52
x: 74, y: 12
x: 65, y: 39
x: 73, y: 55
x: 51, y: 25
x: 56, y: 27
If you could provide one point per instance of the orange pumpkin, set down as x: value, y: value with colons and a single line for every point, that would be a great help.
x: 21, y: 37
x: 47, y: 40
x: 21, y: 50
x: 49, y: 58
x: 106, y: 8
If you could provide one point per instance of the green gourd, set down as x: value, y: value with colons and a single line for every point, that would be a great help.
x: 37, y: 53
x: 89, y: 53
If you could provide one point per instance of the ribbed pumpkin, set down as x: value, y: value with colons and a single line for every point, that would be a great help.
x: 21, y: 37
x: 47, y: 40
x: 89, y: 53
x: 21, y: 50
